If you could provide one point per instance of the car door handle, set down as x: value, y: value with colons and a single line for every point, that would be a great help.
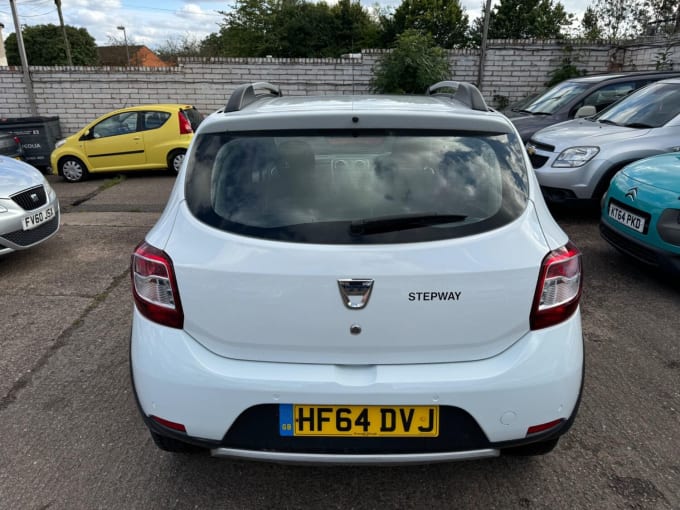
x: 137, y: 138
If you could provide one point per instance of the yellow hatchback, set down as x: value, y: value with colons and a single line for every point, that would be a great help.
x: 147, y: 137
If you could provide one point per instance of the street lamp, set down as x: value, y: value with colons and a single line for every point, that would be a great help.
x: 127, y: 49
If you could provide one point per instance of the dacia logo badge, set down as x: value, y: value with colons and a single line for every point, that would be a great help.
x: 531, y: 149
x: 355, y: 292
x: 632, y: 193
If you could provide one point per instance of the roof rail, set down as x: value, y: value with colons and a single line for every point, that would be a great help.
x: 249, y: 93
x: 466, y: 93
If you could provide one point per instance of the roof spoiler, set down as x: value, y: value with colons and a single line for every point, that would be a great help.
x: 249, y: 93
x: 466, y: 93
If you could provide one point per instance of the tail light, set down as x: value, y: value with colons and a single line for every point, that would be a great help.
x: 154, y: 286
x: 559, y: 287
x: 16, y: 139
x: 184, y: 124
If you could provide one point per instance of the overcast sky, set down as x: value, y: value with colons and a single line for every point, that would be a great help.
x: 153, y: 22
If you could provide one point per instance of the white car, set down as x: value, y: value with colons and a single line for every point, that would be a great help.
x: 29, y: 208
x: 357, y: 279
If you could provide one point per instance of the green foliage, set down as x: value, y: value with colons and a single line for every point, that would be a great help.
x: 524, y: 19
x: 445, y: 20
x: 621, y: 18
x: 45, y: 46
x: 293, y: 28
x: 590, y: 28
x: 567, y: 68
x: 411, y: 67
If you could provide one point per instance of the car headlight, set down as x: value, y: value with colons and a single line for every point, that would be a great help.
x: 48, y: 189
x: 575, y: 156
x: 60, y: 143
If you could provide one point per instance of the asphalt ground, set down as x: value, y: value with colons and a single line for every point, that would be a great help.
x: 71, y: 436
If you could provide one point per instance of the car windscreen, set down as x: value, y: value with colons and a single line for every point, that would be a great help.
x: 554, y: 98
x: 649, y: 107
x: 356, y: 186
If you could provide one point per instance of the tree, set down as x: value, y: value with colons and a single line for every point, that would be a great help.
x: 45, y: 46
x: 445, y: 20
x: 412, y: 66
x: 664, y: 16
x: 294, y: 28
x: 354, y: 27
x: 184, y: 46
x: 525, y: 19
x: 621, y: 18
x: 590, y: 28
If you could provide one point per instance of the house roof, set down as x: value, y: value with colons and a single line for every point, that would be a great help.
x: 139, y: 56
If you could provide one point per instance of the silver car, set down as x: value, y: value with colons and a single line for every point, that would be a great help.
x: 29, y: 208
x: 577, y: 159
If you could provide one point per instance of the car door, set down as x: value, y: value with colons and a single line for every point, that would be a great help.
x: 116, y: 143
x: 158, y: 136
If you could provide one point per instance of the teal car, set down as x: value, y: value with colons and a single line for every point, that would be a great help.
x: 641, y: 211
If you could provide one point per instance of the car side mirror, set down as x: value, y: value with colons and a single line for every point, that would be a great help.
x: 585, y: 111
x: 86, y: 135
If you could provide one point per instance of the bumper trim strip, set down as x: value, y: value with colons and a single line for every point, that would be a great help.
x: 376, y: 459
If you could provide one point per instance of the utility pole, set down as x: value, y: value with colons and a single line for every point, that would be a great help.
x: 24, y: 61
x: 63, y: 29
x: 482, y: 52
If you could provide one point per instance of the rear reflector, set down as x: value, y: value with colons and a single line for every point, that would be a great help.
x: 535, y: 429
x: 559, y: 287
x: 170, y: 424
x: 154, y: 286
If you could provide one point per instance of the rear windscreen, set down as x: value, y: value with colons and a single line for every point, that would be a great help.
x: 358, y: 186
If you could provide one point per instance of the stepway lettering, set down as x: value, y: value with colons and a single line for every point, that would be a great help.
x: 435, y: 296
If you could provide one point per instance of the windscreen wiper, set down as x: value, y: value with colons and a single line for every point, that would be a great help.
x: 639, y: 125
x: 401, y: 222
x: 608, y: 122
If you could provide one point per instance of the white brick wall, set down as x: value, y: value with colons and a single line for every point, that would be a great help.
x: 513, y: 68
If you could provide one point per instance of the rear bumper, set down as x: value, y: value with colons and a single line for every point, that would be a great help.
x: 230, y: 406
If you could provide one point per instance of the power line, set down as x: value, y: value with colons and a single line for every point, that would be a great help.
x: 37, y: 15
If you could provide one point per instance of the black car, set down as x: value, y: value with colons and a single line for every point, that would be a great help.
x: 566, y: 100
x: 10, y: 146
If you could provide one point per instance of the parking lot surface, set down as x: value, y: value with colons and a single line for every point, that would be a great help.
x: 71, y: 436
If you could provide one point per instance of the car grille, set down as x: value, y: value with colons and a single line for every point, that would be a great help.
x: 542, y: 146
x: 627, y: 246
x: 537, y: 161
x: 31, y: 198
x: 29, y: 237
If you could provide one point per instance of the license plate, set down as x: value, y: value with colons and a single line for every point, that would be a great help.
x: 627, y: 218
x: 362, y: 421
x: 38, y: 218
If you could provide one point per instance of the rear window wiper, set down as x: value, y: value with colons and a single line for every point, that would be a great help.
x: 401, y: 222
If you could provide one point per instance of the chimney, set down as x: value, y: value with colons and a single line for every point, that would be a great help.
x: 3, y: 56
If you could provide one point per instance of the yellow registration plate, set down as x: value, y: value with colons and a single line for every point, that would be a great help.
x: 366, y: 421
